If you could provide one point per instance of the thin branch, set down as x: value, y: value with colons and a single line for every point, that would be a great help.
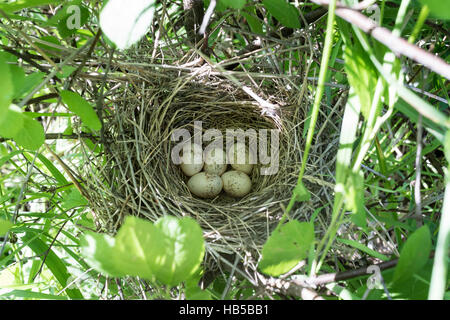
x: 398, y: 45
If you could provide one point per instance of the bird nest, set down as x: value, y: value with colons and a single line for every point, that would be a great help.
x: 137, y: 175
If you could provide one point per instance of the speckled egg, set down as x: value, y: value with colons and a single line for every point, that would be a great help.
x: 236, y: 183
x: 205, y: 185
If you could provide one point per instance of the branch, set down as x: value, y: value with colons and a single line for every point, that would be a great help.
x: 58, y: 136
x: 398, y: 45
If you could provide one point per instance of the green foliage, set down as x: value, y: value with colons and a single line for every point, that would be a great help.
x: 5, y: 225
x: 375, y: 163
x: 414, y: 254
x: 169, y: 251
x: 440, y: 9
x: 284, y: 12
x: 17, y: 5
x: 68, y: 21
x: 286, y: 247
x: 52, y: 261
x: 82, y: 108
x: 235, y: 4
x: 301, y: 193
x: 126, y: 24
x: 361, y: 75
x: 354, y: 197
x: 31, y: 135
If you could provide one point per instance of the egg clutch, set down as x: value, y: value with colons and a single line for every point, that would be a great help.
x: 208, y: 170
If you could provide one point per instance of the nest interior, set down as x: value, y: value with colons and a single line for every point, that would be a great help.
x: 137, y: 176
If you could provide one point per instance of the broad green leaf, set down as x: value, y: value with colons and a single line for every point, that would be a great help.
x: 74, y: 199
x: 6, y: 85
x: 284, y: 12
x: 169, y: 251
x: 98, y: 251
x: 438, y: 8
x: 301, y: 193
x: 23, y: 83
x: 185, y: 240
x: 361, y: 75
x: 126, y: 22
x: 32, y: 134
x: 252, y: 20
x: 11, y: 121
x: 81, y: 108
x: 5, y: 225
x: 140, y: 245
x: 414, y: 254
x: 52, y: 261
x: 75, y: 17
x: 286, y: 247
x: 235, y: 4
x: 17, y: 5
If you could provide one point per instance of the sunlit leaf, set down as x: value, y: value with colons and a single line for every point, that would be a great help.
x: 81, y: 108
x: 32, y: 134
x: 11, y: 121
x: 126, y: 22
x: 438, y: 8
x: 5, y: 225
x: 169, y: 251
x: 286, y: 247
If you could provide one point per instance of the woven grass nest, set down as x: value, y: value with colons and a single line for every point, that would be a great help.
x: 138, y: 177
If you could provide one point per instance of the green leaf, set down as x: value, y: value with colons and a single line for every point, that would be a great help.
x: 52, y: 261
x: 126, y: 22
x: 414, y: 254
x: 235, y: 4
x: 185, y: 240
x: 5, y: 225
x: 6, y: 85
x: 65, y: 72
x: 439, y: 8
x: 286, y: 247
x: 354, y: 196
x: 32, y: 134
x: 169, y: 251
x: 301, y: 193
x: 98, y: 251
x: 361, y: 75
x: 81, y: 108
x: 254, y: 23
x: 11, y: 121
x: 22, y: 83
x: 53, y: 170
x: 363, y: 248
x: 17, y: 5
x: 75, y: 17
x: 28, y: 294
x: 447, y: 146
x: 74, y: 199
x: 51, y: 40
x: 284, y: 12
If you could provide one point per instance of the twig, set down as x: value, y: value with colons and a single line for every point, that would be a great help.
x: 398, y: 45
